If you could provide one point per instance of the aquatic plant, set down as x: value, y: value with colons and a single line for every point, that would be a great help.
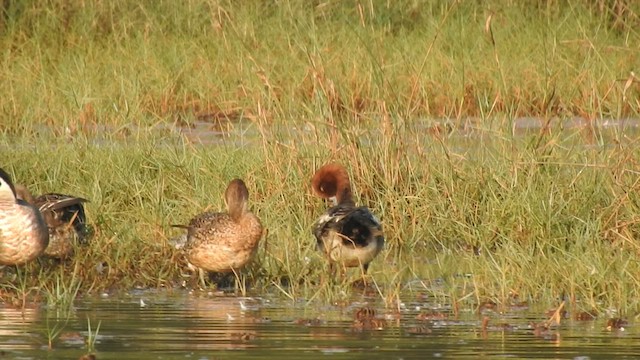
x: 92, y: 336
x: 54, y: 330
x: 62, y: 292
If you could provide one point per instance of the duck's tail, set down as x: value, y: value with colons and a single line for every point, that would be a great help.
x: 187, y: 227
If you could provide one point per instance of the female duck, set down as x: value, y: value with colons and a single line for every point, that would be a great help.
x: 65, y: 218
x: 346, y: 234
x: 23, y: 232
x: 224, y: 242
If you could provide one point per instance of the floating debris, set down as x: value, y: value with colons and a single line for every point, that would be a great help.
x: 333, y: 350
x: 519, y: 306
x: 368, y: 324
x: 543, y: 330
x: 365, y: 313
x: 431, y: 315
x: 72, y: 338
x: 419, y: 330
x: 243, y: 337
x: 616, y: 324
x: 262, y: 320
x: 365, y: 319
x: 500, y: 327
x: 308, y: 322
x: 585, y: 315
x: 488, y: 305
x: 394, y: 315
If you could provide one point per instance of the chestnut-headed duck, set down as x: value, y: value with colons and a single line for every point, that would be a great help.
x: 23, y: 231
x: 224, y: 242
x: 65, y: 219
x: 348, y: 235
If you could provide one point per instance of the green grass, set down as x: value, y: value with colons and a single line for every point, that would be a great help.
x: 94, y: 99
x: 80, y: 67
x: 532, y: 217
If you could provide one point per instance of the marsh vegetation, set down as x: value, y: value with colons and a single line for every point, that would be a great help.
x: 424, y: 102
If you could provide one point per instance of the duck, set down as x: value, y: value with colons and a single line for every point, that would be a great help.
x: 346, y: 234
x: 23, y: 232
x: 224, y: 242
x: 65, y: 218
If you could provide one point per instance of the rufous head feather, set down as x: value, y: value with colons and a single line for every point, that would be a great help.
x: 332, y: 180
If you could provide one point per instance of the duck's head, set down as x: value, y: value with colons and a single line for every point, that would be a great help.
x: 236, y: 197
x: 7, y: 190
x: 332, y: 182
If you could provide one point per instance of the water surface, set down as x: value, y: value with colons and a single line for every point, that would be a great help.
x: 178, y: 324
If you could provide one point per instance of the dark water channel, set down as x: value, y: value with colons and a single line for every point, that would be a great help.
x: 182, y: 325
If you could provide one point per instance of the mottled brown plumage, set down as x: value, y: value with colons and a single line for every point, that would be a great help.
x: 65, y: 219
x: 224, y: 242
x: 23, y: 232
x: 346, y: 234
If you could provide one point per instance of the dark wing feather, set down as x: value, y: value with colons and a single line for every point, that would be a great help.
x: 54, y: 201
x: 354, y: 223
x: 60, y: 209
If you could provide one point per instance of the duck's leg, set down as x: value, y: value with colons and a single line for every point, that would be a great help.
x: 335, y: 273
x: 363, y: 276
x: 201, y: 278
x: 332, y: 272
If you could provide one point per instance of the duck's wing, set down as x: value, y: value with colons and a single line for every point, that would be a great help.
x: 55, y: 201
x: 356, y: 225
x: 61, y: 209
x: 208, y: 224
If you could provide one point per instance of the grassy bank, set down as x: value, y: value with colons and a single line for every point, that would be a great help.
x: 494, y: 216
x: 95, y: 97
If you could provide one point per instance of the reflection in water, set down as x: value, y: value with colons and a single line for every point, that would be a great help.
x: 17, y: 327
x: 222, y: 322
x: 167, y: 325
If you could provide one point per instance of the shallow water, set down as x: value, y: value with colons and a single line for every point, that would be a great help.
x: 239, y: 131
x: 183, y: 325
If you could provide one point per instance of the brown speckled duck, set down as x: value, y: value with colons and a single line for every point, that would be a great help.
x: 65, y: 219
x: 224, y: 242
x: 346, y: 234
x: 23, y: 232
